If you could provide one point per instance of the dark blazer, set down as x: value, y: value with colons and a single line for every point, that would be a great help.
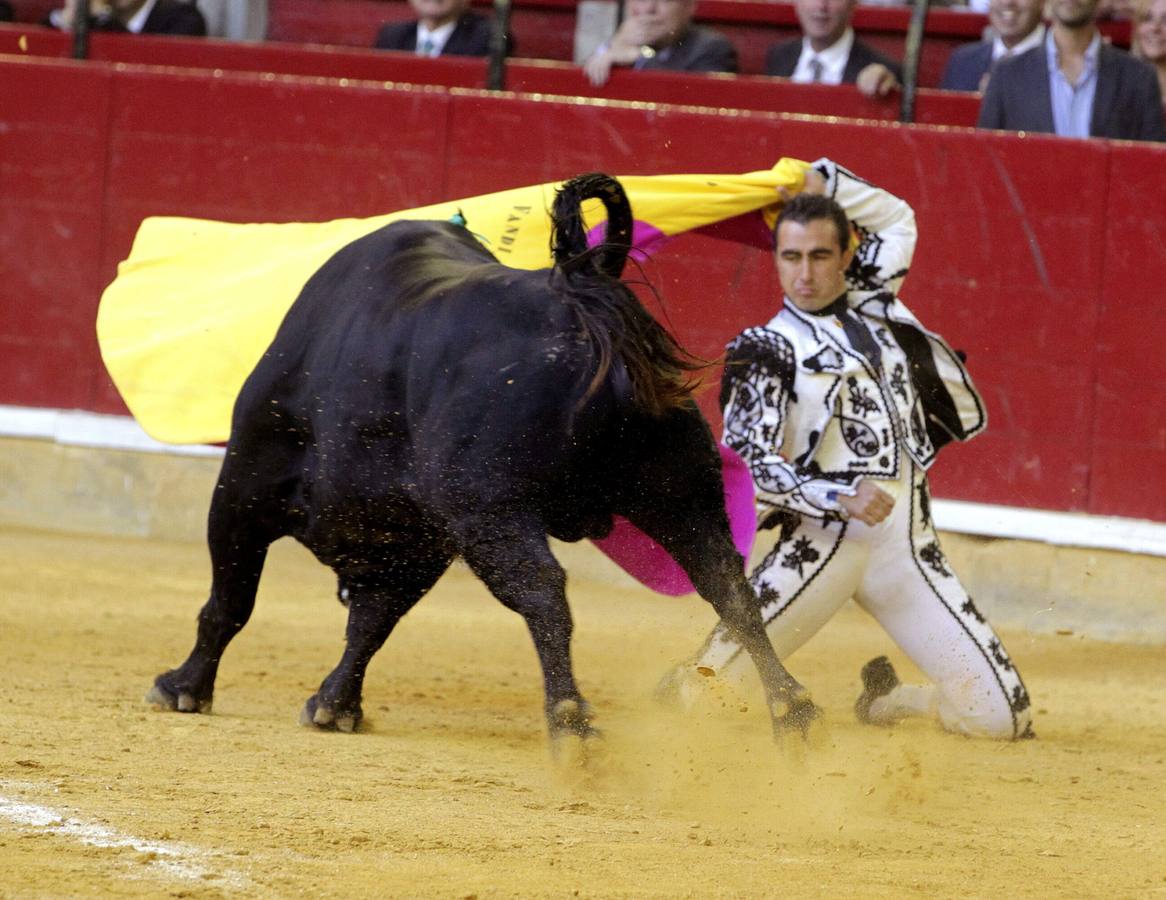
x: 781, y: 60
x: 699, y: 49
x: 1128, y: 102
x: 167, y: 17
x: 966, y: 67
x: 5, y: 11
x: 471, y: 37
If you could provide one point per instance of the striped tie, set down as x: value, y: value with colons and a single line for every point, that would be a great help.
x: 816, y: 69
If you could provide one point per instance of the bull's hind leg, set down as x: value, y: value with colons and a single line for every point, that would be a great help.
x: 376, y: 602
x: 515, y: 562
x: 238, y: 547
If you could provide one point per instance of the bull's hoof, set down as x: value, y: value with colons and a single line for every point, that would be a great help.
x: 167, y: 698
x: 318, y: 715
x: 575, y: 742
x: 800, y: 713
x: 571, y: 718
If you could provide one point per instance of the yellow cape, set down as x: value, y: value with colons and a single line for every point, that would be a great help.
x: 197, y: 302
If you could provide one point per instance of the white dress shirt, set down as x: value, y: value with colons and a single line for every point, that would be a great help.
x: 833, y: 60
x: 1034, y: 39
x: 436, y: 39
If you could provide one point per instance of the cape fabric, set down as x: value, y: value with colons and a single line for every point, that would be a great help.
x: 197, y: 302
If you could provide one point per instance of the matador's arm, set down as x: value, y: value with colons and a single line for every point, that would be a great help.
x: 885, y: 224
x: 756, y: 391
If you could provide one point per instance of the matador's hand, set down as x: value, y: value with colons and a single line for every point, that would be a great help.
x: 871, y: 504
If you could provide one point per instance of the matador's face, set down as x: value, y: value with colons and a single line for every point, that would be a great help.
x: 811, y: 263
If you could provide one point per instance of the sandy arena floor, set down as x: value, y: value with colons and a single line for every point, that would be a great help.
x: 450, y: 791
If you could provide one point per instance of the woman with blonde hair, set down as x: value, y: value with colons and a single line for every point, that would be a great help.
x: 1149, y: 37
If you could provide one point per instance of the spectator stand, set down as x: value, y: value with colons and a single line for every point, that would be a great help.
x: 530, y: 76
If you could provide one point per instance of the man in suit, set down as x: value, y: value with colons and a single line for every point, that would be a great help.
x: 135, y: 16
x: 659, y: 34
x: 1016, y: 28
x: 442, y: 28
x: 1075, y: 85
x: 829, y: 53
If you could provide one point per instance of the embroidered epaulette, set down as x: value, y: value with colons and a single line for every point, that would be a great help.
x: 758, y: 353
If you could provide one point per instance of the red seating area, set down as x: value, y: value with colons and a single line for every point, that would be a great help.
x: 545, y: 28
x: 524, y: 75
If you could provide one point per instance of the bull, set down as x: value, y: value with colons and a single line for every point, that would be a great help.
x: 420, y: 402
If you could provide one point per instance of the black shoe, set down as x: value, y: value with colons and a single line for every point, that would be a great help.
x: 878, y: 680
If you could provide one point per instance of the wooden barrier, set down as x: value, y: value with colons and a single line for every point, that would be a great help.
x: 1038, y: 256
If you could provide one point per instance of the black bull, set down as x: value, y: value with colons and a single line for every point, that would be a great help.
x: 420, y: 402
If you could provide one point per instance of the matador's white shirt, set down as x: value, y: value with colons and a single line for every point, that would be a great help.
x: 809, y: 413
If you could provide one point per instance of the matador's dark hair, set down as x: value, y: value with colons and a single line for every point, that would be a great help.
x: 806, y: 208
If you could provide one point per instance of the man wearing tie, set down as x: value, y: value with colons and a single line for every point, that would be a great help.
x: 442, y: 28
x: 829, y: 53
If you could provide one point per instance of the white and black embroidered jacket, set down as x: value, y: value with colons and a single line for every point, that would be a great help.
x: 809, y: 413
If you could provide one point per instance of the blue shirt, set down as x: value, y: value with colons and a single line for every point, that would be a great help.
x: 1072, y: 103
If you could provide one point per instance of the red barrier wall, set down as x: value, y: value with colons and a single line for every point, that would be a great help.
x: 1038, y: 256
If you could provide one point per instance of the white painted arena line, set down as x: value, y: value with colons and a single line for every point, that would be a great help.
x: 86, y: 429
x: 171, y: 859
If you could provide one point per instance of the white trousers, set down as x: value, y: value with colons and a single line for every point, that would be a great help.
x: 896, y: 572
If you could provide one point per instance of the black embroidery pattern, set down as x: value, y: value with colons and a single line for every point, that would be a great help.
x: 826, y: 359
x: 884, y: 339
x: 998, y: 654
x: 899, y: 380
x: 969, y: 609
x: 861, y: 403
x: 767, y: 595
x: 918, y: 432
x: 758, y: 356
x: 933, y: 556
x: 801, y: 553
x: 925, y: 511
x: 859, y: 437
x: 1019, y: 702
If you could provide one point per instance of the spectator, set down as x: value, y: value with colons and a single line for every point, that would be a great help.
x: 1150, y: 38
x: 1075, y: 85
x: 136, y: 16
x: 235, y: 20
x: 1015, y: 28
x: 659, y: 34
x: 442, y: 28
x: 829, y: 53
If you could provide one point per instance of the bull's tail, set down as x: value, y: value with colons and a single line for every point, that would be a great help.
x: 643, y: 362
x: 569, y: 239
